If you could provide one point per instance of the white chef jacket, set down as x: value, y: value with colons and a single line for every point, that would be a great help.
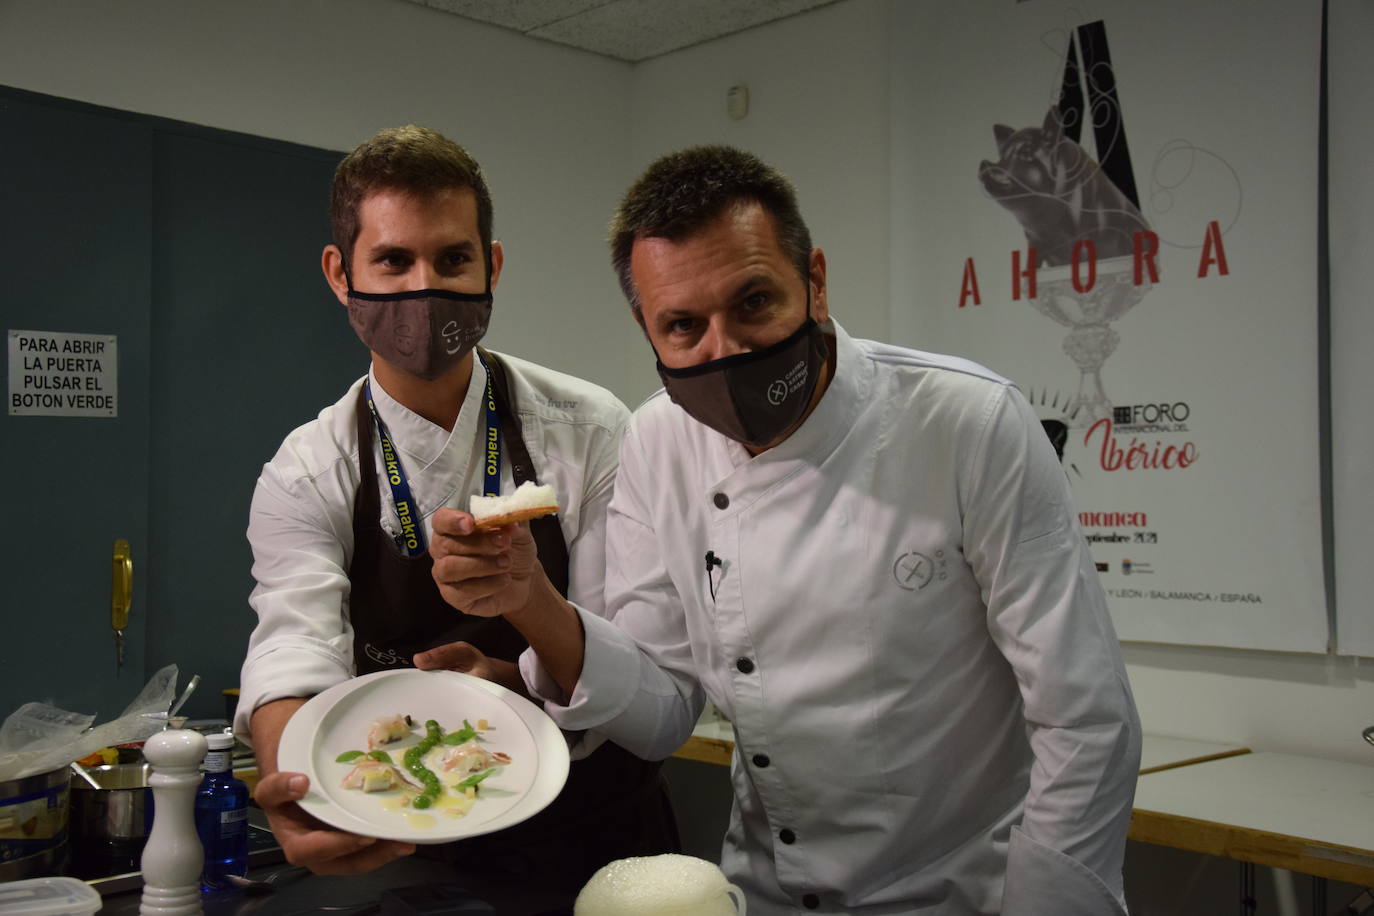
x: 301, y: 522
x: 906, y: 630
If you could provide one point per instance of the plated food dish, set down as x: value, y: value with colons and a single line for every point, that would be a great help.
x: 424, y: 756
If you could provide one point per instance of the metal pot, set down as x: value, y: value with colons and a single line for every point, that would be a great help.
x: 110, y: 825
x: 33, y: 824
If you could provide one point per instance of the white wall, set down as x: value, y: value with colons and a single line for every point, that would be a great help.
x: 562, y: 133
x: 818, y: 111
x: 548, y: 123
x: 1351, y: 200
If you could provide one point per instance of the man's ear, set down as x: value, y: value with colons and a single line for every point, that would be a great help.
x: 331, y: 262
x: 498, y: 259
x: 820, y: 304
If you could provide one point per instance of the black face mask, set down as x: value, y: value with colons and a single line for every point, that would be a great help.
x: 753, y: 397
x: 425, y: 332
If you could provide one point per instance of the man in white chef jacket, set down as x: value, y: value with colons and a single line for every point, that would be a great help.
x: 340, y: 518
x: 866, y: 557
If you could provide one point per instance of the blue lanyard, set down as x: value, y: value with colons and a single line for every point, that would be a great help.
x: 491, y: 466
x: 411, y: 540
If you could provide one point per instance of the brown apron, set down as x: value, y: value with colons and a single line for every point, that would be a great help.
x: 614, y: 804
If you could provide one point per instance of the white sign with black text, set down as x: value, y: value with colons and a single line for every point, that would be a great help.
x: 57, y: 374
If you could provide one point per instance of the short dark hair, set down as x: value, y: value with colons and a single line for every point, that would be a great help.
x: 683, y: 191
x: 412, y: 159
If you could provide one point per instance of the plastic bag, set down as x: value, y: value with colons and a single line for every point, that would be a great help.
x: 38, y: 737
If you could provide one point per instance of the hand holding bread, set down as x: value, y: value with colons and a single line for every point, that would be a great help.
x: 484, y: 560
x: 529, y: 501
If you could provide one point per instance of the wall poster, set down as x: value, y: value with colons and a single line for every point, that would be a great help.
x: 1114, y: 205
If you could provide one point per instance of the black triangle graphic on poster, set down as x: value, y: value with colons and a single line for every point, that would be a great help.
x: 1092, y: 69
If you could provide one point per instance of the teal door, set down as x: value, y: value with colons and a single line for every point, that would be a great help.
x: 249, y: 343
x: 198, y: 251
x: 75, y: 216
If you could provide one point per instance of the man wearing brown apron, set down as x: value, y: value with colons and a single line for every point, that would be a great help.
x: 340, y: 533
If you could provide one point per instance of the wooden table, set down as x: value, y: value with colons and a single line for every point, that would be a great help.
x: 1305, y: 814
x: 1161, y: 752
x: 713, y: 741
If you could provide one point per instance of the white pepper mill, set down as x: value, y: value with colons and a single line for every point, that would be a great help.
x: 173, y: 858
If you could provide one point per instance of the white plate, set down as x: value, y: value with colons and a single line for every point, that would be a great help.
x: 338, y: 719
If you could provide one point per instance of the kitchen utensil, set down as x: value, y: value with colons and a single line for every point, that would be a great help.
x: 172, y: 860
x: 85, y: 774
x: 33, y: 823
x: 116, y: 808
x: 256, y: 886
x: 185, y: 695
x: 110, y: 822
x: 48, y: 897
x: 170, y: 717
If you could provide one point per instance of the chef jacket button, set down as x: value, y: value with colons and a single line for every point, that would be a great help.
x: 745, y: 665
x: 810, y: 901
x: 721, y: 500
x: 787, y: 836
x: 761, y: 760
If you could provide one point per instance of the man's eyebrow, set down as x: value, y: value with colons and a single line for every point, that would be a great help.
x: 386, y: 248
x: 753, y: 284
x: 383, y: 248
x: 747, y: 286
x: 668, y: 316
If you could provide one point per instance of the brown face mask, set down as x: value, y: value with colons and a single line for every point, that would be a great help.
x: 752, y: 397
x: 424, y: 333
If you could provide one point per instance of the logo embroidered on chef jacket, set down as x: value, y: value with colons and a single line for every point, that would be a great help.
x: 383, y: 657
x: 914, y: 570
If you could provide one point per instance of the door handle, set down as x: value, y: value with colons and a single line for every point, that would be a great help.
x: 121, y: 585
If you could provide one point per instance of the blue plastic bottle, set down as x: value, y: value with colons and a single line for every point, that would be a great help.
x: 222, y: 817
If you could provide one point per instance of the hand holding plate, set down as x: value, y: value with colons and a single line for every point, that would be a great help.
x: 308, y: 842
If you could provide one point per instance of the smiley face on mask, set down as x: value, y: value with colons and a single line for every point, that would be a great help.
x: 425, y: 332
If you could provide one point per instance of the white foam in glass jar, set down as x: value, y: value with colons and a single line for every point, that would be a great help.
x: 666, y: 885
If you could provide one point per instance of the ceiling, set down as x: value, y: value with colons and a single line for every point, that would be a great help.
x: 630, y: 30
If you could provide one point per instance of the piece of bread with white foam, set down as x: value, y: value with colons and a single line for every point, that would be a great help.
x: 530, y: 500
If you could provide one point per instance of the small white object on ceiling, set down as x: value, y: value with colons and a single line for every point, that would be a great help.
x: 737, y: 102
